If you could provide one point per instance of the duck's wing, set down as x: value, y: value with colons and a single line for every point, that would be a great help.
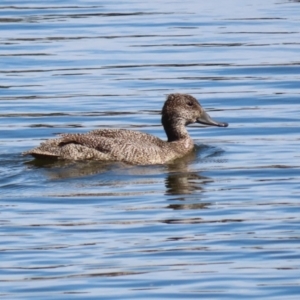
x: 101, y: 143
x: 120, y: 149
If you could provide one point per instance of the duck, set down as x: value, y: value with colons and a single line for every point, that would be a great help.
x: 133, y: 147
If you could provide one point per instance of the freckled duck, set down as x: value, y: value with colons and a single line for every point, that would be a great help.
x: 130, y: 146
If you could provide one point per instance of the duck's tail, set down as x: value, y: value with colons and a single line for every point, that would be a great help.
x: 49, y: 148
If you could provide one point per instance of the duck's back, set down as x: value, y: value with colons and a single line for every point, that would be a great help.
x: 109, y: 145
x: 125, y: 134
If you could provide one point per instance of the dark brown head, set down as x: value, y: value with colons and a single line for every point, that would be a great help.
x: 185, y: 109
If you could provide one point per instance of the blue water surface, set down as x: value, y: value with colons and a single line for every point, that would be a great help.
x: 221, y: 223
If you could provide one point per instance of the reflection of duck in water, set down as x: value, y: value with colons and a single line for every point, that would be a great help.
x: 131, y: 146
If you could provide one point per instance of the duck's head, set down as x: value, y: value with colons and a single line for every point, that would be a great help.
x: 186, y: 110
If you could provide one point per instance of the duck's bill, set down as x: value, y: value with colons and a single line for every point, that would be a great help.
x: 207, y: 120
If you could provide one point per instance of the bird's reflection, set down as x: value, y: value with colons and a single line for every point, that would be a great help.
x: 64, y: 169
x: 185, y: 183
x: 181, y: 179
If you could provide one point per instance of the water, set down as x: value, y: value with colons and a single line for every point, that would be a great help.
x: 220, y: 223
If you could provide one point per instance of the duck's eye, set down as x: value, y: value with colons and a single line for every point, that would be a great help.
x: 190, y: 103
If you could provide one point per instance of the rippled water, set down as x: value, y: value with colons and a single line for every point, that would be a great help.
x: 220, y: 223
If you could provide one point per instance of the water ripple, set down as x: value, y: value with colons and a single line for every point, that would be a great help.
x: 221, y: 223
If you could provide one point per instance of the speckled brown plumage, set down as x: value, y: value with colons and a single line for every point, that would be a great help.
x: 131, y: 146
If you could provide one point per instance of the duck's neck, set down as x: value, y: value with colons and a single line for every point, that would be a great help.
x: 175, y: 129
